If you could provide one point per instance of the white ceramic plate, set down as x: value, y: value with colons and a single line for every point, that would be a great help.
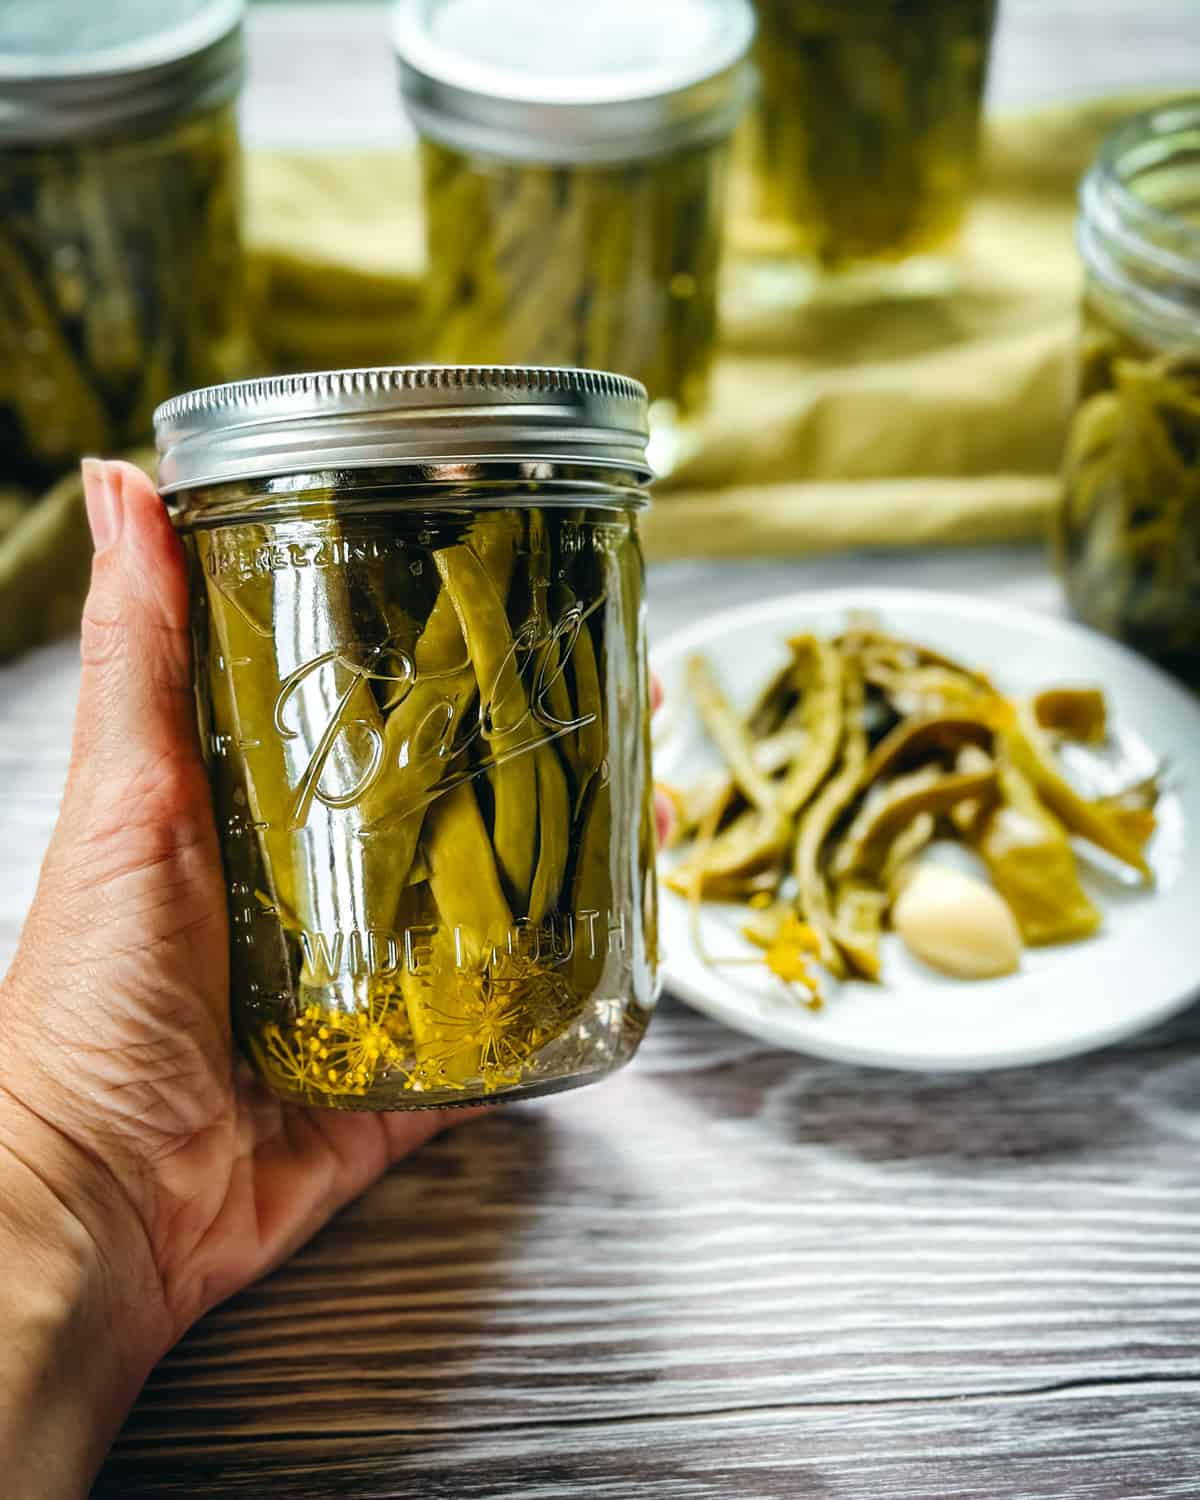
x: 1144, y: 964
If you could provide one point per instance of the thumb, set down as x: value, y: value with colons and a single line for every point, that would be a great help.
x: 136, y: 713
x: 136, y: 806
x: 115, y: 1011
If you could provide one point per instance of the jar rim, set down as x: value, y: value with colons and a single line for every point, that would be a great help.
x: 402, y: 414
x: 1127, y: 240
x: 177, y: 69
x: 568, y: 106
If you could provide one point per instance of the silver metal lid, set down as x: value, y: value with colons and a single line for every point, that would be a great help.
x: 71, y: 67
x: 415, y: 414
x: 547, y: 81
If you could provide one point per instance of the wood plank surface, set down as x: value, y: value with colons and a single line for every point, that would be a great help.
x: 595, y: 1280
x: 1127, y: 1442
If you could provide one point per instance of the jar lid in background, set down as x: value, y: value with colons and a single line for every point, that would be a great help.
x: 548, y: 81
x: 71, y: 67
x: 418, y: 414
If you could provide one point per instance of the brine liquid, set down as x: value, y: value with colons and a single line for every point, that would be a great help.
x: 427, y: 731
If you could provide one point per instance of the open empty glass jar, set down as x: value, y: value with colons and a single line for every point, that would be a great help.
x: 420, y: 662
x: 573, y: 172
x: 120, y: 264
x: 1130, y: 525
x: 858, y: 158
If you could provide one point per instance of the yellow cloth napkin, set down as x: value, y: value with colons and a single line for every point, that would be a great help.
x: 926, y: 420
x: 929, y: 420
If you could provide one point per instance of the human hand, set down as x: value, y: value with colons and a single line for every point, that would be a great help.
x: 145, y: 1174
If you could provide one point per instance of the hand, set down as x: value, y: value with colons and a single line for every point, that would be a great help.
x: 144, y: 1174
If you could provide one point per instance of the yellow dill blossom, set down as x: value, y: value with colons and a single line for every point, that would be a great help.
x: 790, y: 954
x: 500, y: 1015
x: 309, y: 1056
x: 339, y: 1053
x: 284, y: 1058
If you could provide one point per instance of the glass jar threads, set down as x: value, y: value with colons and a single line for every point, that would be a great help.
x: 573, y: 181
x: 420, y: 661
x: 120, y: 270
x: 1130, y: 522
x: 858, y: 158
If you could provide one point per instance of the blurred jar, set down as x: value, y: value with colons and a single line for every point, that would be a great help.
x: 1130, y: 521
x: 420, y: 659
x: 856, y: 164
x: 120, y: 260
x: 574, y: 183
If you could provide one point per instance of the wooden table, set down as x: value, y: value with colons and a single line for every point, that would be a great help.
x: 728, y: 1273
x: 731, y: 1272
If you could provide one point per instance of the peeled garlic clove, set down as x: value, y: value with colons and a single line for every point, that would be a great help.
x: 957, y: 924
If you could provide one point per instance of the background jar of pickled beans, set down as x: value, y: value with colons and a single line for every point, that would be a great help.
x: 120, y: 232
x: 420, y: 664
x: 858, y: 157
x: 1129, y: 532
x: 573, y: 166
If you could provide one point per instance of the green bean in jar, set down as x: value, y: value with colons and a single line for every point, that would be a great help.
x: 423, y: 691
x: 591, y: 265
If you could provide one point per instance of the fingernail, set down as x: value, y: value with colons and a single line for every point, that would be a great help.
x: 105, y: 512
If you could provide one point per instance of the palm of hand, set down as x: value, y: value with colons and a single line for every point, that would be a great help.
x: 118, y: 1003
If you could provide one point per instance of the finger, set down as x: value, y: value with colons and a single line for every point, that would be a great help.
x: 308, y: 1163
x: 135, y: 697
x: 664, y: 816
x: 406, y: 1130
x: 133, y: 867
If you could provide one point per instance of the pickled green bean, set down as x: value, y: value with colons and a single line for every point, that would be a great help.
x: 729, y: 734
x: 821, y: 722
x: 813, y: 901
x: 612, y: 267
x: 1032, y: 757
x: 504, y: 708
x: 419, y: 731
x: 1028, y: 855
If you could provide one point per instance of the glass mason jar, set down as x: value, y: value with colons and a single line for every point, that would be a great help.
x: 857, y: 162
x: 420, y: 664
x: 120, y: 267
x: 1129, y: 535
x: 574, y: 183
